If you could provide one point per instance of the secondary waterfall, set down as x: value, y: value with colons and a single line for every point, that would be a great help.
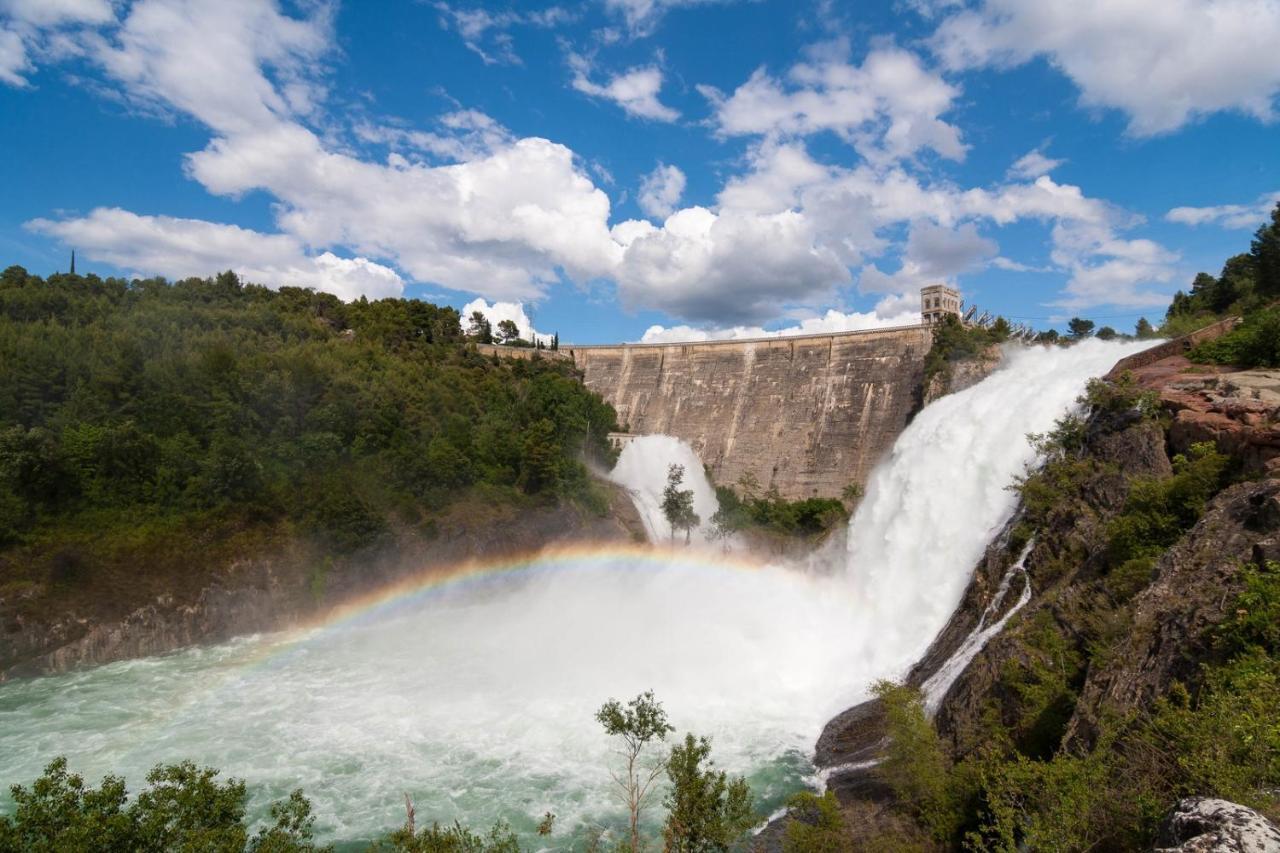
x: 476, y: 696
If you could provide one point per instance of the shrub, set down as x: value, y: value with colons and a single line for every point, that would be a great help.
x: 915, y: 765
x: 1255, y: 343
x: 816, y: 825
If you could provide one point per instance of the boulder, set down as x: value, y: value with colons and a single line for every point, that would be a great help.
x: 1202, y: 825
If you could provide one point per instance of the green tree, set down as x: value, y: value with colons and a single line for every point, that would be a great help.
x: 1143, y: 330
x: 1079, y: 328
x: 1236, y: 282
x: 636, y: 726
x: 677, y: 504
x: 541, y: 453
x: 915, y: 765
x: 706, y: 811
x: 183, y: 808
x: 1106, y: 333
x: 816, y: 825
x: 1265, y: 250
x: 480, y: 329
x: 507, y: 332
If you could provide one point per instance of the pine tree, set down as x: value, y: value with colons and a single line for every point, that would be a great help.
x: 1266, y: 255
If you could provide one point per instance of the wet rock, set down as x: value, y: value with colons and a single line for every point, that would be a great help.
x: 1199, y: 825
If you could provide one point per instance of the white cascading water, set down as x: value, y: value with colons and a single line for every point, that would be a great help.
x: 642, y: 470
x: 989, y: 624
x: 477, y: 698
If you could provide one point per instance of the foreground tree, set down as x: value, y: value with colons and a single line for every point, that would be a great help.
x: 706, y: 812
x: 677, y: 504
x: 636, y: 726
x: 183, y: 808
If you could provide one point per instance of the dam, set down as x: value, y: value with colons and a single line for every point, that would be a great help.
x: 807, y: 415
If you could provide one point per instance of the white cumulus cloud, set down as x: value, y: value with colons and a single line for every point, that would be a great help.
x: 729, y: 267
x: 636, y: 90
x: 1227, y: 215
x: 1163, y: 62
x: 660, y: 191
x: 179, y: 248
x: 1032, y: 165
x: 496, y: 312
x: 888, y: 107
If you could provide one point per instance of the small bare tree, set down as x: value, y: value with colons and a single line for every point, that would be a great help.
x: 636, y: 725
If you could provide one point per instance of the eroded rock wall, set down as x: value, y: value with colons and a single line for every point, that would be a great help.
x: 807, y: 415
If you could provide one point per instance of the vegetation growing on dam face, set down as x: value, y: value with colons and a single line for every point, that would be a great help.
x: 747, y: 507
x: 144, y: 412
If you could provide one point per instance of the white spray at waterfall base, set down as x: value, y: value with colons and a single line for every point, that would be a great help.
x: 642, y: 470
x: 478, y: 700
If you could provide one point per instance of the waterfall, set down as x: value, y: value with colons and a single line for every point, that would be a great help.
x: 475, y: 692
x: 642, y: 470
x: 943, y: 492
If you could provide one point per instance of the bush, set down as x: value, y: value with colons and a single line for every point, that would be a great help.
x: 183, y: 807
x: 954, y: 341
x: 816, y: 825
x: 1255, y: 343
x: 915, y: 765
x: 1157, y: 512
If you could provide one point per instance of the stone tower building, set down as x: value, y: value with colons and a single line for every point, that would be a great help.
x: 937, y: 301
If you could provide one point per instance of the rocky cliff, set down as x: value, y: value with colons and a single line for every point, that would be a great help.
x: 1108, y: 630
x: 807, y: 415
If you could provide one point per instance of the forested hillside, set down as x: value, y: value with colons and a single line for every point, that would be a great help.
x: 134, y: 413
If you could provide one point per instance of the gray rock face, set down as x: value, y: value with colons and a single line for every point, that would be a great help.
x: 1199, y: 825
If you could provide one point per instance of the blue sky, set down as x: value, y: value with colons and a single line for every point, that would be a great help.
x: 620, y: 169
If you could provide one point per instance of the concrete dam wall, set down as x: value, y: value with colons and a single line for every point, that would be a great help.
x: 808, y: 415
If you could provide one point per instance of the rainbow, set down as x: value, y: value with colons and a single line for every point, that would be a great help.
x: 419, y: 587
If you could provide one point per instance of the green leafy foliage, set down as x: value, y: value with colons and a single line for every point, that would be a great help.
x: 1255, y: 343
x: 636, y: 726
x: 816, y: 825
x: 1079, y: 328
x: 454, y: 838
x: 183, y: 808
x: 208, y: 398
x: 706, y: 811
x: 1157, y: 512
x: 914, y: 764
x: 677, y: 504
x: 954, y: 341
x: 772, y: 512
